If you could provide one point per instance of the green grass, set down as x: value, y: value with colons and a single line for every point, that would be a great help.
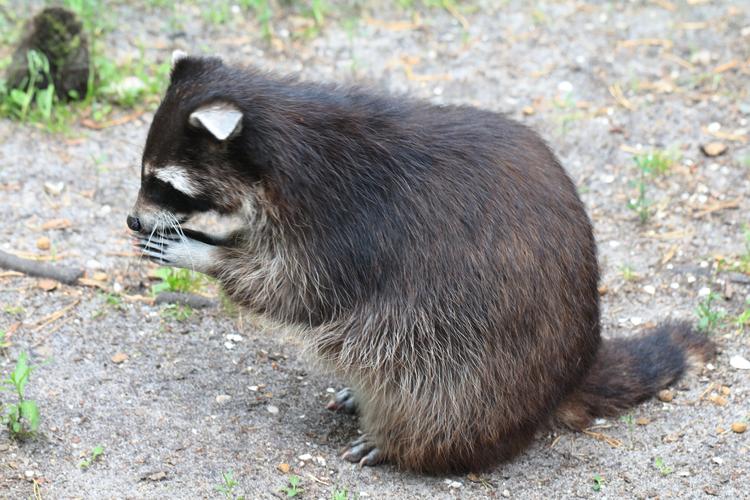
x: 228, y: 485
x: 129, y: 85
x: 293, y: 489
x: 742, y: 320
x: 709, y: 317
x: 94, y: 455
x: 628, y: 273
x: 178, y: 280
x: 340, y: 494
x: 663, y: 468
x: 4, y: 342
x: 177, y: 312
x: 650, y: 165
x: 22, y: 416
x: 598, y: 483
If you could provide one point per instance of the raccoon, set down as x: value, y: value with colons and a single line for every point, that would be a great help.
x: 438, y: 258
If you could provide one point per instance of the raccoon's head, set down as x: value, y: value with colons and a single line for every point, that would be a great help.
x: 192, y: 158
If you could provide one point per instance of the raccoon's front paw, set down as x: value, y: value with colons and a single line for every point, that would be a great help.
x: 177, y: 250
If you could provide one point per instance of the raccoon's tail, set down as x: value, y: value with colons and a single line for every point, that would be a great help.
x: 630, y: 370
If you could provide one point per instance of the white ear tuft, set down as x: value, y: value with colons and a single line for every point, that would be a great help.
x: 223, y: 120
x: 177, y: 55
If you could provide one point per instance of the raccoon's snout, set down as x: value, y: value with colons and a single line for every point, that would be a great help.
x: 134, y: 223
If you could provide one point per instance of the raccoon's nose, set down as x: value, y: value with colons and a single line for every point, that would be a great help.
x: 134, y: 223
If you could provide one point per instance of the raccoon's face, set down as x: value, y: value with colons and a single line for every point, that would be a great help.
x: 190, y: 161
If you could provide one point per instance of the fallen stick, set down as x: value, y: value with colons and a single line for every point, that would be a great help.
x: 66, y: 275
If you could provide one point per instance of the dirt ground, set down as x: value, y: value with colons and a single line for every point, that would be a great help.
x: 601, y: 81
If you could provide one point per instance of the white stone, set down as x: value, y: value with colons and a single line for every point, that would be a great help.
x: 739, y: 362
x: 273, y: 410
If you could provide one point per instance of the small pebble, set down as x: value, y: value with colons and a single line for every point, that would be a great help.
x: 54, y: 188
x: 273, y: 410
x: 649, y: 289
x: 223, y: 398
x: 739, y: 427
x: 43, y: 243
x: 739, y: 362
x: 305, y: 458
x: 506, y: 493
x: 666, y: 395
x: 284, y: 467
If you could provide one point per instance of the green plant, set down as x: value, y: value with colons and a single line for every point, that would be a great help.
x: 742, y: 320
x: 708, y: 317
x: 650, y: 165
x: 177, y: 280
x: 264, y: 13
x: 598, y: 483
x: 31, y: 103
x: 628, y: 274
x: 21, y: 417
x: 342, y: 494
x: 96, y: 452
x: 177, y: 312
x: 293, y: 489
x: 4, y: 342
x: 227, y: 486
x: 14, y: 310
x: 663, y: 468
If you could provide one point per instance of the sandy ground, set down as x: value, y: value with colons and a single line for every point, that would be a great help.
x: 681, y: 74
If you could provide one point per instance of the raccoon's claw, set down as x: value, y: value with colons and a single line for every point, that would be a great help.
x: 343, y: 401
x: 363, y: 451
x: 177, y: 250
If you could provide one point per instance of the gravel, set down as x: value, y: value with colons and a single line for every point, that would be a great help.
x: 185, y: 403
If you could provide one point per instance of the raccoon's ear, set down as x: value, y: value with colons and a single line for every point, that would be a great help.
x: 177, y: 56
x: 223, y: 120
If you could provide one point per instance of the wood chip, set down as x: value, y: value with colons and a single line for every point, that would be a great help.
x: 119, y: 358
x: 57, y: 224
x: 50, y: 318
x: 47, y: 285
x: 721, y: 68
x: 88, y: 123
x: 616, y: 92
x: 284, y: 467
x: 718, y: 400
x: 615, y: 443
x: 640, y: 42
x: 642, y: 421
x: 714, y: 149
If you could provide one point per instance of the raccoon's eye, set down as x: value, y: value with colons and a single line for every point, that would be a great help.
x: 222, y: 120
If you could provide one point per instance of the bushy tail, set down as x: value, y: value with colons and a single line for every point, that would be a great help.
x: 629, y: 370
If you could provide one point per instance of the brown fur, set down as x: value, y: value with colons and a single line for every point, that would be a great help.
x: 437, y: 258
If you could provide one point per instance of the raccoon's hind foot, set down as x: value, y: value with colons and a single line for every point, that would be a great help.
x: 178, y: 250
x: 343, y: 402
x: 363, y: 451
